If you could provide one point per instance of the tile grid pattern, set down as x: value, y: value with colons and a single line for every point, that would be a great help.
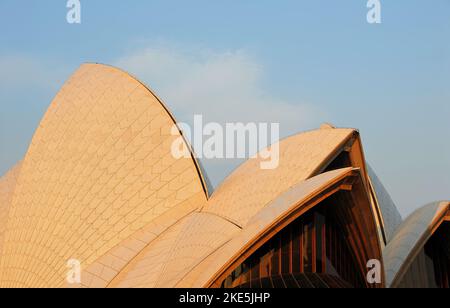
x: 408, y: 236
x: 99, y: 169
x: 177, y: 251
x: 249, y: 188
x: 101, y: 273
x: 99, y: 184
x: 7, y: 187
x: 172, y: 256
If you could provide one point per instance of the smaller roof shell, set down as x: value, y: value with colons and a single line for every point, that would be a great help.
x: 410, y: 238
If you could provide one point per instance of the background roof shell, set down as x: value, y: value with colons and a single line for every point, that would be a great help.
x: 410, y: 237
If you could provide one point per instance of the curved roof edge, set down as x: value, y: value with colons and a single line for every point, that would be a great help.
x: 146, y: 100
x: 302, y: 156
x: 287, y: 140
x: 390, y: 215
x: 281, y: 211
x: 7, y: 187
x: 206, y: 183
x: 410, y: 238
x: 102, y: 272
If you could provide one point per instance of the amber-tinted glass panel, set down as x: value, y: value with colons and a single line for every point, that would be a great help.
x: 313, y: 244
x: 438, y: 250
x: 431, y: 268
x: 307, y: 247
x: 320, y: 242
x: 275, y: 244
x: 266, y: 264
x: 296, y: 241
x: 286, y: 251
x: 340, y: 261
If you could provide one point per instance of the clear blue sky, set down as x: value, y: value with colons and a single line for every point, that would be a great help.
x: 319, y: 58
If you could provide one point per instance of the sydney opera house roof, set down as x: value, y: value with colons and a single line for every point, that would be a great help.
x: 99, y: 184
x: 410, y: 239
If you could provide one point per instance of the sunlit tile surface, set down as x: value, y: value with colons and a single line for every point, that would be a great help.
x: 98, y: 170
x: 99, y: 184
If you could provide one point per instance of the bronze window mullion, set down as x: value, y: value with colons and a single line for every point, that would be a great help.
x: 291, y: 254
x: 324, y: 248
x: 280, y: 256
x: 313, y: 244
x: 301, y: 237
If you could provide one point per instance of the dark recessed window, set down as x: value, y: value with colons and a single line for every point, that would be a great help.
x: 313, y: 244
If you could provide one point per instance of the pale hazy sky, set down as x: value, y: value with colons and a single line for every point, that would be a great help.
x: 301, y: 63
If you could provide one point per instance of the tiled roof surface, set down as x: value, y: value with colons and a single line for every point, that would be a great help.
x: 98, y: 170
x: 410, y: 236
x: 7, y: 187
x: 250, y: 188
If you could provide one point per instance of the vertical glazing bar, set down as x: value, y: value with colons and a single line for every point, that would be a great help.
x: 324, y: 247
x: 314, y: 244
x: 302, y: 264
